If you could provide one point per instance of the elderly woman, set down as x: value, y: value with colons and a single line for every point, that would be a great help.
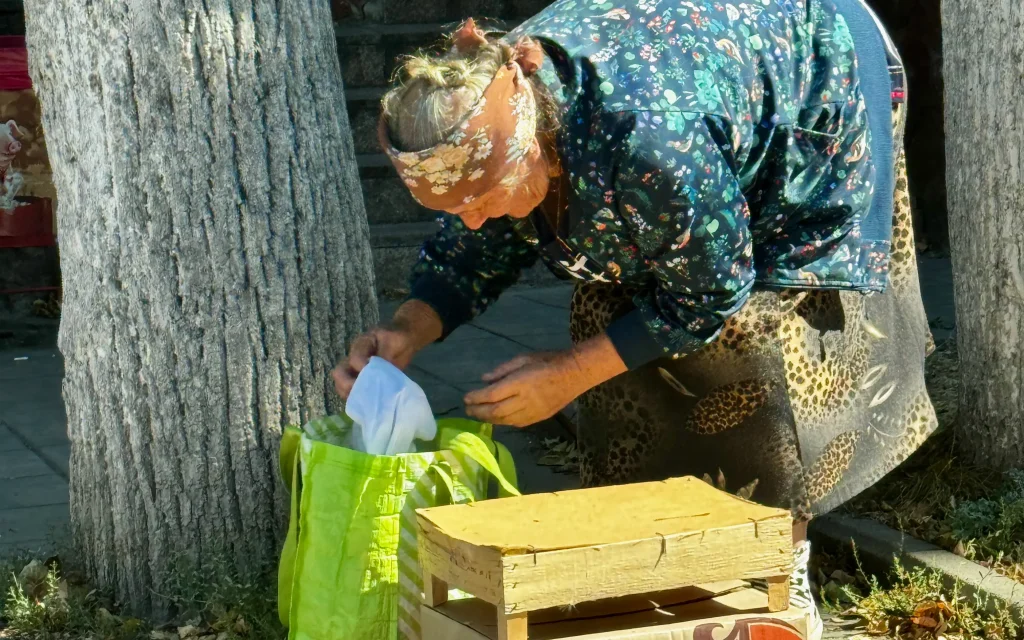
x: 725, y: 183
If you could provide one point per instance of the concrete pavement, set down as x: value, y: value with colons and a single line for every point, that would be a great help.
x: 34, y: 448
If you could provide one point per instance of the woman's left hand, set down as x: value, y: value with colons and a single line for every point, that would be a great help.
x: 527, y: 389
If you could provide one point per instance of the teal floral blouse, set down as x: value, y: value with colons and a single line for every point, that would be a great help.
x: 710, y: 146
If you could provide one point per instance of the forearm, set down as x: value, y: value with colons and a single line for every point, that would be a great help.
x: 419, y: 321
x: 596, y: 361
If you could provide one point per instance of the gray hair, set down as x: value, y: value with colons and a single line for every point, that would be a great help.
x: 434, y: 93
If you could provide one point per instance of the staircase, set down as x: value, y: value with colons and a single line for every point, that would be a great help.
x: 372, y: 36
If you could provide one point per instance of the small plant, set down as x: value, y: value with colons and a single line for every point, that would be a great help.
x: 42, y: 605
x: 975, y: 519
x: 991, y: 530
x: 218, y: 600
x: 44, y: 610
x: 212, y: 603
x: 916, y: 603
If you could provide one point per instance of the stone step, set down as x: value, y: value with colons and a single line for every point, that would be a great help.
x: 388, y: 201
x: 372, y: 161
x: 396, y: 248
x: 363, y: 116
x: 370, y: 50
x: 390, y: 12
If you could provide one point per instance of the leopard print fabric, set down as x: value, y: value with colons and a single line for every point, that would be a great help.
x: 813, y: 395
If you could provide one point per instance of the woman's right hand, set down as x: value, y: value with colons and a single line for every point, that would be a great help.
x: 414, y: 326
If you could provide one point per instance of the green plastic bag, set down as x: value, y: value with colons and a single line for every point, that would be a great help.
x: 349, y: 569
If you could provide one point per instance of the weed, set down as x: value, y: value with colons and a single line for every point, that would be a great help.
x: 916, y: 603
x: 215, y: 603
x: 232, y: 604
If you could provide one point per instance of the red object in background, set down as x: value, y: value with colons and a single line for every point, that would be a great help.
x: 30, y: 225
x: 14, y: 64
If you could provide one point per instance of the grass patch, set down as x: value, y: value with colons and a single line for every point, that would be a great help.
x: 917, y: 604
x: 934, y: 496
x: 41, y: 603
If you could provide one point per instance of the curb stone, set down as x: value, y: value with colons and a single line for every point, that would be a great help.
x: 877, y: 544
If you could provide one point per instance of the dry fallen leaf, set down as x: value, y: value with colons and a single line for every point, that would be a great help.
x: 931, y: 614
x: 878, y: 627
x: 32, y: 579
x: 241, y: 626
x: 561, y: 454
x: 747, y: 492
x: 189, y: 631
x: 925, y: 621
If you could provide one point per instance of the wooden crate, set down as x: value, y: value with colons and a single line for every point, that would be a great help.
x: 550, y: 550
x: 697, y: 614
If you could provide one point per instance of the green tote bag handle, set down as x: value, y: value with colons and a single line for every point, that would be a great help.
x: 498, y: 463
x: 289, y: 461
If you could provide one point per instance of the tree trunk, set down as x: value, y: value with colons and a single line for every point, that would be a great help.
x: 984, y: 58
x: 216, y: 260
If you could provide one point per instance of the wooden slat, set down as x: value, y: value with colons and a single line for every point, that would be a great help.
x: 569, y: 576
x: 512, y: 627
x: 435, y: 590
x: 471, y: 569
x: 535, y: 552
x: 778, y: 593
x: 637, y: 603
x: 606, y: 515
x: 476, y: 620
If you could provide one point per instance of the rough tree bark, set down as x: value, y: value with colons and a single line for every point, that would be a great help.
x: 984, y: 61
x: 216, y: 260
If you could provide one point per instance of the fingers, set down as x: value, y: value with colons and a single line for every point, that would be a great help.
x: 363, y: 348
x: 344, y: 378
x: 503, y: 412
x: 492, y: 394
x: 513, y: 365
x: 359, y: 354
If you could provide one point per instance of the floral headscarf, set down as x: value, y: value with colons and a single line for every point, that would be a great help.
x: 489, y: 146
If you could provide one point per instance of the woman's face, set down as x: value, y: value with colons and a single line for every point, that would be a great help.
x: 517, y: 196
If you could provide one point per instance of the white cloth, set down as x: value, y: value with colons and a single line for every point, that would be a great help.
x: 388, y: 410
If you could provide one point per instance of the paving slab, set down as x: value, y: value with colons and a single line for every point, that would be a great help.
x: 30, y: 527
x: 936, y: 276
x: 559, y: 297
x: 9, y: 441
x: 515, y: 315
x: 445, y: 399
x: 57, y: 457
x: 24, y: 364
x: 33, y: 408
x: 462, y: 364
x: 21, y: 463
x: 548, y: 341
x: 44, y: 490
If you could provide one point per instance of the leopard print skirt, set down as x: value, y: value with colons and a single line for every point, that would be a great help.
x: 806, y: 398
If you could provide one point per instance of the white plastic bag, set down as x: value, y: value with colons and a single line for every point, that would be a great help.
x: 388, y: 410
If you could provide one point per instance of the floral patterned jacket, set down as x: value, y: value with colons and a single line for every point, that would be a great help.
x: 711, y: 146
